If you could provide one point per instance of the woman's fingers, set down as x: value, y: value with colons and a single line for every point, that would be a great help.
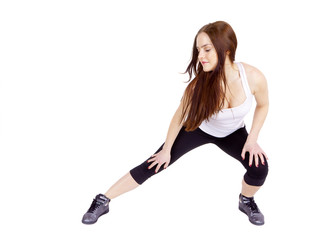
x: 158, y: 167
x: 256, y: 160
x: 257, y: 156
x: 251, y: 160
x: 152, y: 165
x: 151, y: 159
x: 159, y: 159
x: 243, y: 154
x: 255, y: 152
x: 154, y: 162
x: 265, y: 156
x: 262, y: 158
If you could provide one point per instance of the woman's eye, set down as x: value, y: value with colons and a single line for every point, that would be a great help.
x: 208, y: 50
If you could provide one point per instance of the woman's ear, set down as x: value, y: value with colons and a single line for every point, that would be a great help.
x: 227, y: 52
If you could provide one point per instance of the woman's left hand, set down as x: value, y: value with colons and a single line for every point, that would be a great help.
x: 255, y: 151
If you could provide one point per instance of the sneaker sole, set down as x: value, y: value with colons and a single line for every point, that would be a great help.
x: 97, y: 218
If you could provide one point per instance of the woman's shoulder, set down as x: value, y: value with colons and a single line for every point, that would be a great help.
x: 255, y: 77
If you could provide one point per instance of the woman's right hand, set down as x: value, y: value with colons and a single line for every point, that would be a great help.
x: 160, y: 158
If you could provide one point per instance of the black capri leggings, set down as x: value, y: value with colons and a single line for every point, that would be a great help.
x: 185, y: 141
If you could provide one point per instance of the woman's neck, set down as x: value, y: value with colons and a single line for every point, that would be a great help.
x: 231, y: 70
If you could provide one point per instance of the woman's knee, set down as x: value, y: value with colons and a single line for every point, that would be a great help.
x: 256, y: 176
x: 141, y: 173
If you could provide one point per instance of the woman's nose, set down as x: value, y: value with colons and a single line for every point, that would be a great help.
x: 200, y: 55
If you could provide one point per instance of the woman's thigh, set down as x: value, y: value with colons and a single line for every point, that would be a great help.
x: 184, y: 142
x: 233, y: 146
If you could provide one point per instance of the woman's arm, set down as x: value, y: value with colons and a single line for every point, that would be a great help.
x: 261, y: 110
x: 163, y: 157
x: 174, y: 128
x: 260, y: 91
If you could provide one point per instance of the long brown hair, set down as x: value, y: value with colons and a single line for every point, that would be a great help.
x: 205, y: 95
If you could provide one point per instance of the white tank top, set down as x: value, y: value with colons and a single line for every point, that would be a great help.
x: 229, y: 120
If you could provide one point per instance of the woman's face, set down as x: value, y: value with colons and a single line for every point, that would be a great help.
x: 207, y: 54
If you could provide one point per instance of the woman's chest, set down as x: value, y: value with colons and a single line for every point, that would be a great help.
x: 234, y: 95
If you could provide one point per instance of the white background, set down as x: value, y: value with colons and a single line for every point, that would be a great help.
x: 88, y: 89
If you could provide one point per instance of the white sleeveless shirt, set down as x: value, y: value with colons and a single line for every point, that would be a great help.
x: 228, y: 120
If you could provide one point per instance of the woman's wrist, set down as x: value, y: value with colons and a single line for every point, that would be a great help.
x: 252, y: 138
x: 166, y: 148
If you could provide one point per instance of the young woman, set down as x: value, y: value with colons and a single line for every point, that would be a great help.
x: 212, y: 110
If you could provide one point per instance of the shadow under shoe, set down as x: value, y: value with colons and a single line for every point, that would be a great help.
x: 99, y: 207
x: 250, y: 208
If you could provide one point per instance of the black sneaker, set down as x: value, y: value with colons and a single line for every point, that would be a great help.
x: 250, y: 208
x: 99, y: 207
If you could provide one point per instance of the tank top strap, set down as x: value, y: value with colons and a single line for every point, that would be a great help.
x: 244, y: 79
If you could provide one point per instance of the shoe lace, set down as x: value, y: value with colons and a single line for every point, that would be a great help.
x: 95, y: 204
x: 253, y: 206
